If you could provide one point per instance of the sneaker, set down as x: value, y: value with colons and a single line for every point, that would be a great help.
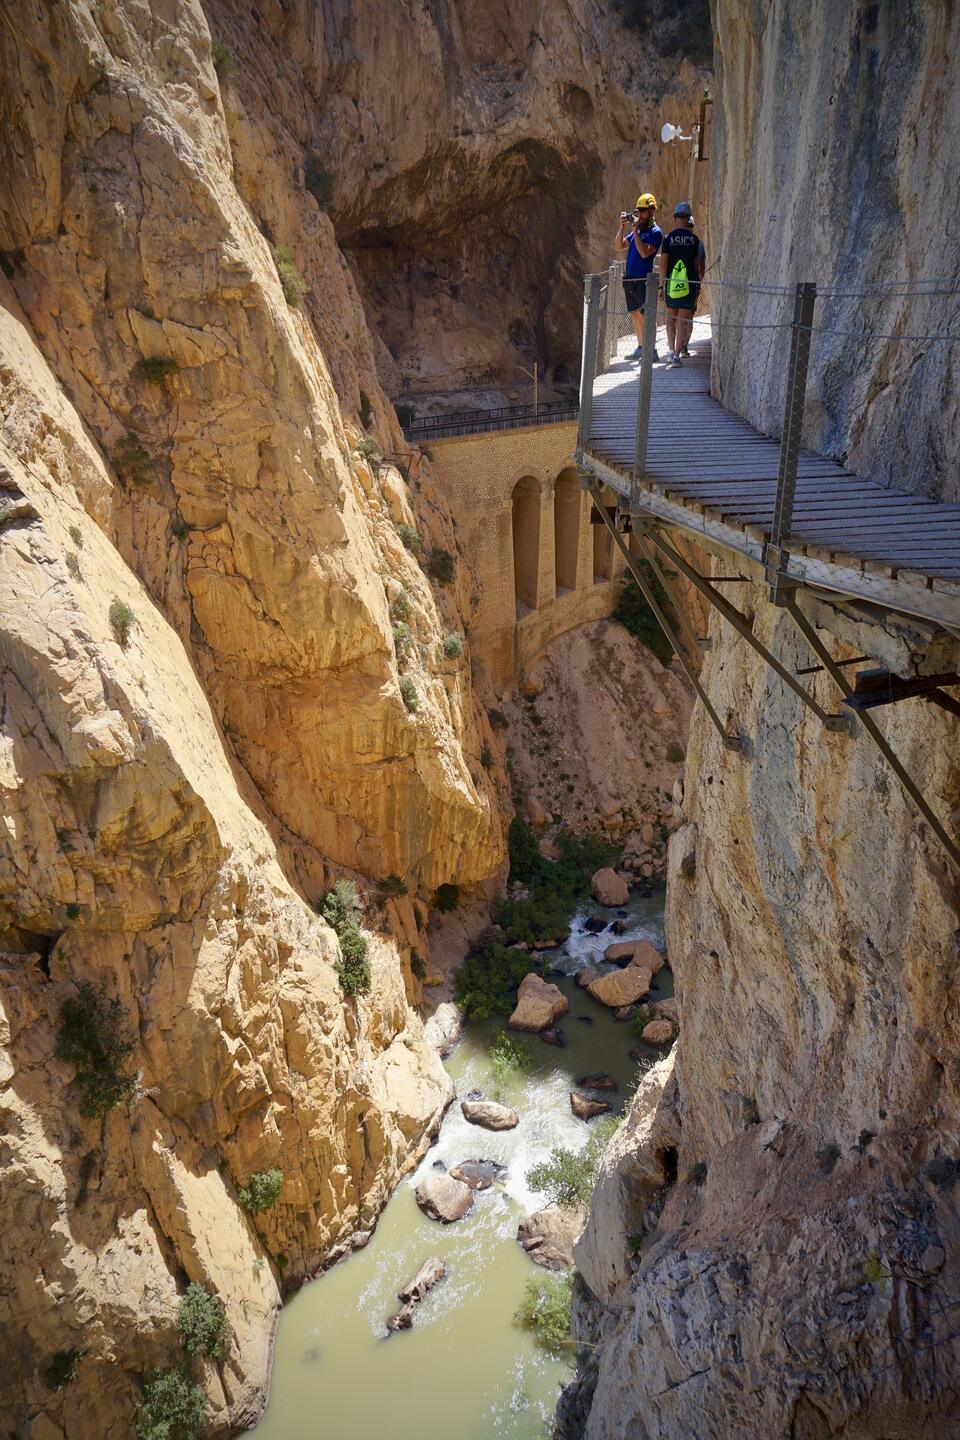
x: 673, y: 361
x: 640, y: 356
x: 685, y: 352
x: 635, y: 354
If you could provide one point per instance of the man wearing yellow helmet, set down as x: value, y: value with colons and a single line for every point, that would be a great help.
x: 639, y: 238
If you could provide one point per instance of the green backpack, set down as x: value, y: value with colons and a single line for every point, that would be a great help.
x: 678, y: 285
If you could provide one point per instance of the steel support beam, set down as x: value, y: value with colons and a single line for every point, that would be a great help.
x: 742, y: 626
x: 776, y: 556
x: 870, y: 726
x: 644, y: 390
x: 730, y: 742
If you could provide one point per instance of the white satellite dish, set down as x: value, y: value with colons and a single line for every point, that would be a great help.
x: 668, y: 133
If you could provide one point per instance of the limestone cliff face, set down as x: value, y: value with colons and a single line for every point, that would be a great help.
x: 797, y: 1184
x: 173, y: 797
x: 472, y: 157
x: 831, y: 162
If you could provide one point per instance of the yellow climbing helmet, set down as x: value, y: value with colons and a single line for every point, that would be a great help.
x: 646, y: 201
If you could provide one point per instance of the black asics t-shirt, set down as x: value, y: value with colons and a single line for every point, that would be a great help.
x: 687, y: 246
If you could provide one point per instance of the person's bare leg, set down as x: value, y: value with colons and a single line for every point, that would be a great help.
x: 684, y: 329
x: 672, y: 331
x: 637, y: 317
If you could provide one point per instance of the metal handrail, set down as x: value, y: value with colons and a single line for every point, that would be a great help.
x: 484, y: 426
x: 495, y: 412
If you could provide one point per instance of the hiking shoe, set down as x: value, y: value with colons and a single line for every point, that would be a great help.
x: 640, y: 356
x: 685, y: 352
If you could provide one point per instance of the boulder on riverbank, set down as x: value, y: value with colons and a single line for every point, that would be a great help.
x: 608, y: 888
x: 586, y: 1108
x: 548, y: 1235
x: 489, y: 1115
x: 658, y: 1032
x: 666, y: 1010
x: 539, y: 1004
x: 442, y: 1198
x: 413, y: 1292
x: 479, y: 1174
x: 621, y: 987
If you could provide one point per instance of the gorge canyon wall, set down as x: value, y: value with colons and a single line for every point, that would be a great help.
x: 796, y: 1181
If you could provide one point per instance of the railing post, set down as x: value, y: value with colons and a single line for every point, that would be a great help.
x: 588, y: 362
x: 643, y: 396
x: 776, y: 556
x: 613, y: 298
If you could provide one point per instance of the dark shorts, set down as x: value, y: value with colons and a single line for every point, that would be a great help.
x: 688, y: 302
x: 635, y: 293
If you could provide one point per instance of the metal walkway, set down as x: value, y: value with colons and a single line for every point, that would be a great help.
x: 709, y: 472
x: 657, y: 439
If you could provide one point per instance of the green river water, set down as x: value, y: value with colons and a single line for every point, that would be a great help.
x: 465, y: 1370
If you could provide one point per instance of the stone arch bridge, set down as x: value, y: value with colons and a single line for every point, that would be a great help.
x: 523, y: 523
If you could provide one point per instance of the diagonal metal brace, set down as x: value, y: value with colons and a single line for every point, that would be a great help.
x: 876, y: 735
x: 742, y: 626
x: 730, y: 742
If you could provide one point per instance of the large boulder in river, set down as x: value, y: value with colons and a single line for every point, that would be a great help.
x: 586, y: 976
x: 489, y: 1115
x: 548, y: 1235
x: 413, y: 1292
x: 442, y: 1198
x: 539, y: 1004
x: 667, y: 1010
x: 479, y: 1174
x: 585, y: 1108
x: 648, y: 955
x: 621, y: 987
x: 658, y: 1032
x: 607, y: 887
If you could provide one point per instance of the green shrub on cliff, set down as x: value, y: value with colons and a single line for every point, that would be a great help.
x: 292, y: 283
x: 261, y: 1191
x: 174, y: 1407
x: 340, y: 908
x: 202, y: 1322
x: 90, y: 1039
x: 61, y: 1368
x: 545, y: 1309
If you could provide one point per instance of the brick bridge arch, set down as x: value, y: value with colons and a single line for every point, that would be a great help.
x: 523, y: 527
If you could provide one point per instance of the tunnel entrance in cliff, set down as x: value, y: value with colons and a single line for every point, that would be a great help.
x: 526, y: 543
x: 470, y: 273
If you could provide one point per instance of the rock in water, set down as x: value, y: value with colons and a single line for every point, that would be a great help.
x: 598, y: 1080
x: 594, y: 924
x: 607, y: 888
x: 584, y: 1108
x: 426, y: 1277
x: 586, y: 977
x: 479, y: 1174
x: 489, y: 1114
x: 548, y: 1235
x: 667, y: 1010
x: 538, y: 1005
x: 403, y: 1320
x: 622, y: 952
x: 553, y: 1035
x: 621, y: 987
x: 442, y: 1198
x: 658, y: 1032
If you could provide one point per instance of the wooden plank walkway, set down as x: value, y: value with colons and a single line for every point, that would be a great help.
x: 710, y: 472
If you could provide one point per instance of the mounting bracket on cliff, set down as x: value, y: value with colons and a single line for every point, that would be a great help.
x: 670, y: 457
